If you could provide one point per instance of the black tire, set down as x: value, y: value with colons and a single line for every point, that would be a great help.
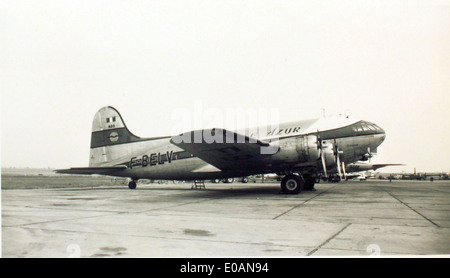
x: 292, y: 184
x: 132, y: 185
x: 309, y: 182
x: 244, y: 180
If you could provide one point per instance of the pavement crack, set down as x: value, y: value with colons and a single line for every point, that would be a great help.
x: 328, y: 240
x: 302, y: 203
x: 405, y: 204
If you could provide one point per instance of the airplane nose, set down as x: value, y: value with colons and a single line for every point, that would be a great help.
x: 382, y: 135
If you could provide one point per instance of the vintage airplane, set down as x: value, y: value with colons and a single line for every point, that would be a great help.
x: 297, y: 150
x: 354, y: 170
x: 359, y: 167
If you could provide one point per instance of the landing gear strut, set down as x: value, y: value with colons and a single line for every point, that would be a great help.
x: 132, y: 184
x: 292, y: 184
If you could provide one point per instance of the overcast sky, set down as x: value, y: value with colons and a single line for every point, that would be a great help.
x: 382, y: 61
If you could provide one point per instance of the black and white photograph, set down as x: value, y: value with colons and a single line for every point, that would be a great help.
x: 235, y: 130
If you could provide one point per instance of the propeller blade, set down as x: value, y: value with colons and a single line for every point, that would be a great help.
x: 319, y: 141
x: 338, y: 164
x: 322, y: 153
x: 324, y: 164
x: 343, y: 167
x: 336, y: 155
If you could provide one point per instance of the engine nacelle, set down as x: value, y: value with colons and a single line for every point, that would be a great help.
x: 298, y: 149
x: 305, y: 149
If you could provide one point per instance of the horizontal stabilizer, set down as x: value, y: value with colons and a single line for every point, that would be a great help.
x: 92, y: 170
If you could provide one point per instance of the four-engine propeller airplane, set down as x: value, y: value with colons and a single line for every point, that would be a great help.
x: 299, y: 151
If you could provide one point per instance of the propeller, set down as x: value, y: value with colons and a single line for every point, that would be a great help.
x: 368, y: 155
x: 336, y: 155
x: 339, y: 165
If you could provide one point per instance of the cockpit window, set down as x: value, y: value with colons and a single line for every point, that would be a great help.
x: 365, y: 126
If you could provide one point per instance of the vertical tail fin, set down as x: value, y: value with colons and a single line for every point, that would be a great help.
x: 109, y: 131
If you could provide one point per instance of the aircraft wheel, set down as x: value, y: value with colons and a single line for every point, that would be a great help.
x: 292, y: 184
x: 309, y: 182
x: 132, y: 184
x: 244, y: 180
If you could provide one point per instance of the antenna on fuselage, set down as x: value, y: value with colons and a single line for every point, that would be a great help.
x: 348, y: 113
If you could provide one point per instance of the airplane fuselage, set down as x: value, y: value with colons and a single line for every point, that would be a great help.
x: 159, y: 158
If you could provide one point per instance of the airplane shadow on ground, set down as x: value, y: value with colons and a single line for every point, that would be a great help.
x: 184, y: 191
x: 211, y: 192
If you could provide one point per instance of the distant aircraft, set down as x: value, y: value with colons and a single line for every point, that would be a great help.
x: 353, y: 169
x: 358, y: 167
x: 299, y: 151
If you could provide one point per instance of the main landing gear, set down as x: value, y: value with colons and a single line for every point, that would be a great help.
x: 294, y: 184
x: 132, y: 184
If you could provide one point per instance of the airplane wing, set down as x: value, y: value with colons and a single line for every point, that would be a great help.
x: 92, y: 170
x: 234, y: 152
x: 359, y: 167
x: 376, y: 166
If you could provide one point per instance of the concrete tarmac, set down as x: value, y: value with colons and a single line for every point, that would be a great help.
x: 354, y: 218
